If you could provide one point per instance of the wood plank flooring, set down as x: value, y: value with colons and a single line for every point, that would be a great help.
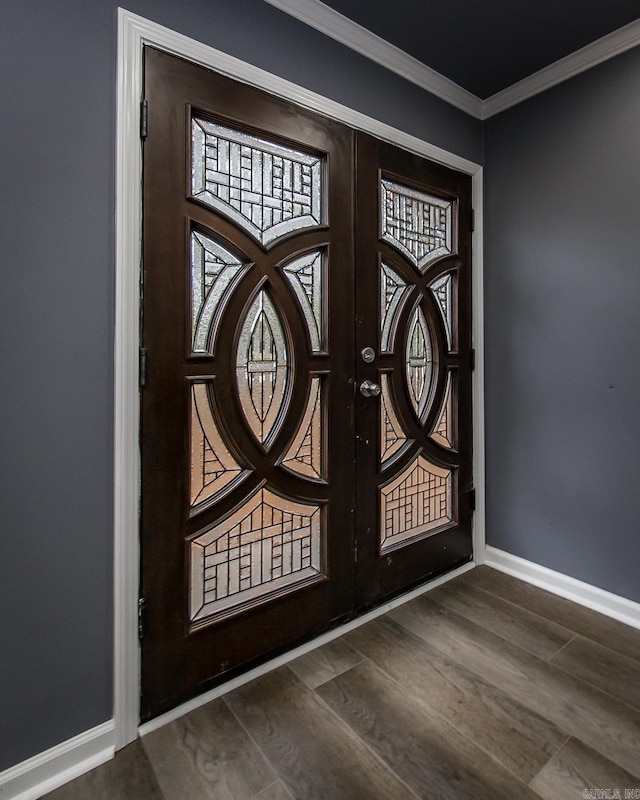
x: 484, y: 688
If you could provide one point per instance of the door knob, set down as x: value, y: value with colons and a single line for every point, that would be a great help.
x: 369, y: 389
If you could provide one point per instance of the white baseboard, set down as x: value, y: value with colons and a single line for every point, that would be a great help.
x: 47, y: 771
x: 612, y: 605
x: 207, y: 697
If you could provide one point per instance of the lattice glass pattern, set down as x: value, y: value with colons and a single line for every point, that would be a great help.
x: 267, y: 546
x: 415, y: 504
x: 214, y: 471
x: 392, y: 438
x: 393, y: 292
x: 443, y: 433
x: 419, y: 363
x: 269, y: 190
x: 261, y: 367
x: 214, y: 272
x: 306, y: 277
x: 418, y: 224
x: 442, y: 289
x: 305, y: 456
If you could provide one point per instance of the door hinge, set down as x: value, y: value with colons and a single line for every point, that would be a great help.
x: 142, y: 605
x: 144, y: 119
x: 470, y: 494
x: 143, y: 366
x: 473, y: 220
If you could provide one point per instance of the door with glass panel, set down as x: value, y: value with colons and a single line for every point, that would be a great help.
x: 247, y: 407
x: 305, y: 441
x: 414, y: 495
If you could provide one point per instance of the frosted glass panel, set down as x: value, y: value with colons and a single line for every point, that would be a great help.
x: 261, y: 368
x: 267, y: 189
x: 419, y: 363
x: 415, y: 504
x: 442, y: 290
x: 392, y: 438
x: 393, y: 292
x: 443, y: 433
x: 418, y: 224
x: 305, y: 456
x: 214, y: 471
x: 214, y: 272
x: 268, y: 546
x: 306, y: 277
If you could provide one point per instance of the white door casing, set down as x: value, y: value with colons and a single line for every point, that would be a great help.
x: 134, y: 32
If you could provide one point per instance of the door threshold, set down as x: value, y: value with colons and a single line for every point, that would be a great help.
x: 202, y: 699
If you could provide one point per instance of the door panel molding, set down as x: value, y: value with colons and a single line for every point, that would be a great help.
x: 134, y: 32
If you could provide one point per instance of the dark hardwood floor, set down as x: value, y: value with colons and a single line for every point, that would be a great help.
x: 484, y: 688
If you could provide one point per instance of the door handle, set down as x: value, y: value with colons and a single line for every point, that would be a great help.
x: 369, y: 389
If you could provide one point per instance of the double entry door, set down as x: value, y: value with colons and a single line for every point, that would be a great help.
x: 306, y: 407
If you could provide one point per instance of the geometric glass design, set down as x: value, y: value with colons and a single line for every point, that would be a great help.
x: 214, y: 471
x: 305, y: 275
x: 269, y: 190
x: 419, y: 363
x: 392, y: 439
x: 418, y: 224
x: 441, y: 289
x: 305, y: 455
x: 393, y: 292
x: 214, y: 272
x: 265, y: 547
x: 416, y: 504
x: 444, y: 428
x: 261, y: 368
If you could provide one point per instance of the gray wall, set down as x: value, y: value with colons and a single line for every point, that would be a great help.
x: 563, y: 327
x: 57, y: 94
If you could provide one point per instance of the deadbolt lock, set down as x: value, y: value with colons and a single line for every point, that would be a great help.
x: 368, y: 354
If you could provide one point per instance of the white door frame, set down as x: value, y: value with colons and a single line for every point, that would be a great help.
x: 133, y: 33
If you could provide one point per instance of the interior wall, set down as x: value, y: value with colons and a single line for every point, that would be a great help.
x: 57, y: 91
x: 562, y: 300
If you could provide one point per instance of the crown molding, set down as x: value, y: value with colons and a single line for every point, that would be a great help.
x: 595, y: 53
x: 344, y: 30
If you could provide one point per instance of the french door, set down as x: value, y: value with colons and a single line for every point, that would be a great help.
x: 305, y: 413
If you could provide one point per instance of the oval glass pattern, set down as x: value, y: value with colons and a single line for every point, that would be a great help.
x: 419, y: 363
x: 262, y: 368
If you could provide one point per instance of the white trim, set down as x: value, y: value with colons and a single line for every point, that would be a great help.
x: 477, y: 320
x: 595, y: 53
x: 64, y: 762
x: 134, y: 32
x: 612, y: 605
x: 344, y: 30
x: 127, y: 400
x: 285, y: 658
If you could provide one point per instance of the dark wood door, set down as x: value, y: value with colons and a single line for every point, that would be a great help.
x: 262, y: 462
x: 247, y: 411
x: 413, y: 363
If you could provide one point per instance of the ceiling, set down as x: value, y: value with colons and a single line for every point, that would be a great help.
x: 486, y: 46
